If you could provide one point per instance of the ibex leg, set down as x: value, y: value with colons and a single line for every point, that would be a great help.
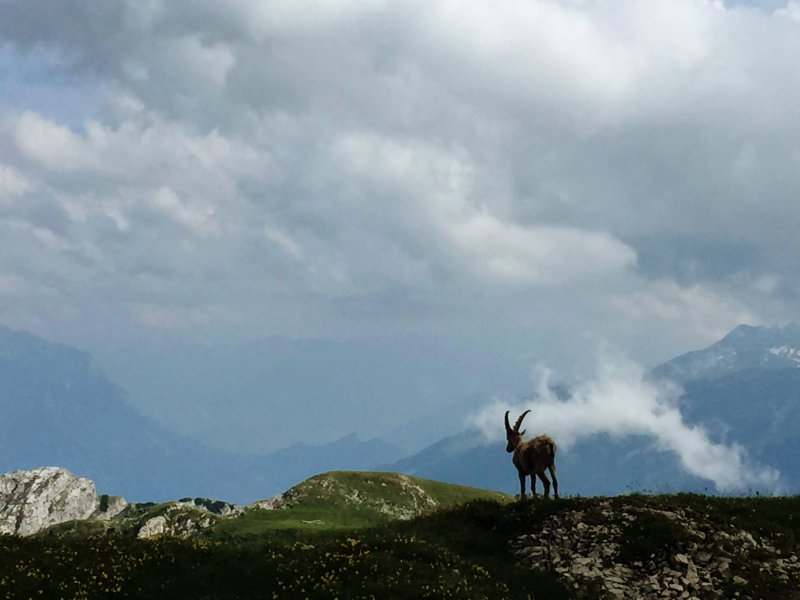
x: 552, y: 469
x: 545, y: 482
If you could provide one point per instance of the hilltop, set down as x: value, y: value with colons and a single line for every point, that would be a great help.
x: 347, y: 500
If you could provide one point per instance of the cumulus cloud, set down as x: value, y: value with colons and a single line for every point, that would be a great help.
x: 710, y: 313
x: 53, y: 146
x: 620, y: 400
x: 791, y: 10
x: 442, y: 192
x: 12, y: 183
x: 329, y: 160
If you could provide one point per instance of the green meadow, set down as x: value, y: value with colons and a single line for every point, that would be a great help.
x: 347, y: 535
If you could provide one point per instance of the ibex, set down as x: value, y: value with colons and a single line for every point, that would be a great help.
x: 532, y: 457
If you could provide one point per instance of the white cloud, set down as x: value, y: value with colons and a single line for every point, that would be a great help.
x: 441, y: 194
x: 373, y: 158
x: 53, y: 146
x: 204, y: 63
x: 284, y: 241
x: 791, y: 10
x: 507, y: 177
x: 507, y: 252
x: 620, y: 401
x: 710, y: 314
x: 766, y: 284
x: 199, y: 220
x: 12, y: 183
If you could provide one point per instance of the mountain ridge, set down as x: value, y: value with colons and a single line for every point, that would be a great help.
x: 57, y: 407
x: 745, y: 347
x: 751, y: 398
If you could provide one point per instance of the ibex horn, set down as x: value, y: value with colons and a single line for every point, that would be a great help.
x: 508, y: 427
x: 519, y: 421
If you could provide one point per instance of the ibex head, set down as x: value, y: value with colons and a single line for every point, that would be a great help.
x: 514, y: 435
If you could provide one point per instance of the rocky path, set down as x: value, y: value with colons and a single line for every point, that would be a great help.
x: 610, y: 550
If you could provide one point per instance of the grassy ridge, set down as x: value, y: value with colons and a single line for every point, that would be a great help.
x: 349, y: 500
x: 457, y: 552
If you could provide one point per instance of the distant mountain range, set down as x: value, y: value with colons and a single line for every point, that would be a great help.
x: 57, y: 408
x: 746, y: 348
x: 744, y: 389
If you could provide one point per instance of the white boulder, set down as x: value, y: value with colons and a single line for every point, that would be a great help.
x: 34, y: 500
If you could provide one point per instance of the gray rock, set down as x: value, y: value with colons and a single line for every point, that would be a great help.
x: 110, y: 507
x: 153, y: 528
x: 703, y: 556
x: 34, y: 500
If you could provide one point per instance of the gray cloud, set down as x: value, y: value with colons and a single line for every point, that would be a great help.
x: 303, y: 168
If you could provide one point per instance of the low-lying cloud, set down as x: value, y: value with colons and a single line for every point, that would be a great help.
x: 621, y: 400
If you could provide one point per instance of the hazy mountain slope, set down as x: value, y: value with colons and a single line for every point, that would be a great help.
x: 57, y: 408
x: 758, y: 408
x: 422, y: 431
x: 257, y: 398
x: 744, y: 348
x: 743, y: 389
x: 597, y: 465
x: 301, y: 460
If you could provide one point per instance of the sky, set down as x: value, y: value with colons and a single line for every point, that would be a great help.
x: 425, y: 200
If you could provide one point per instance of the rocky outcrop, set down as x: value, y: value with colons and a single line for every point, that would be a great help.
x: 34, y: 500
x: 215, y: 507
x: 31, y: 501
x: 153, y: 528
x: 273, y: 503
x: 640, y: 552
x: 176, y: 520
x: 186, y: 517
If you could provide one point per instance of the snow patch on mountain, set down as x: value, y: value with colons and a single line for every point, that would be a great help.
x: 793, y: 354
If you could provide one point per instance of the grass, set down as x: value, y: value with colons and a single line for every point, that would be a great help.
x: 457, y: 552
x: 453, y: 553
x: 289, y: 524
x: 349, y: 500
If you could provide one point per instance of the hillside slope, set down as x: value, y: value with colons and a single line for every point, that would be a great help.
x: 56, y: 502
x: 348, y: 499
x: 746, y: 348
x: 628, y: 547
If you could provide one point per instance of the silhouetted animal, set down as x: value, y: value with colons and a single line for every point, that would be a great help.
x: 532, y: 457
